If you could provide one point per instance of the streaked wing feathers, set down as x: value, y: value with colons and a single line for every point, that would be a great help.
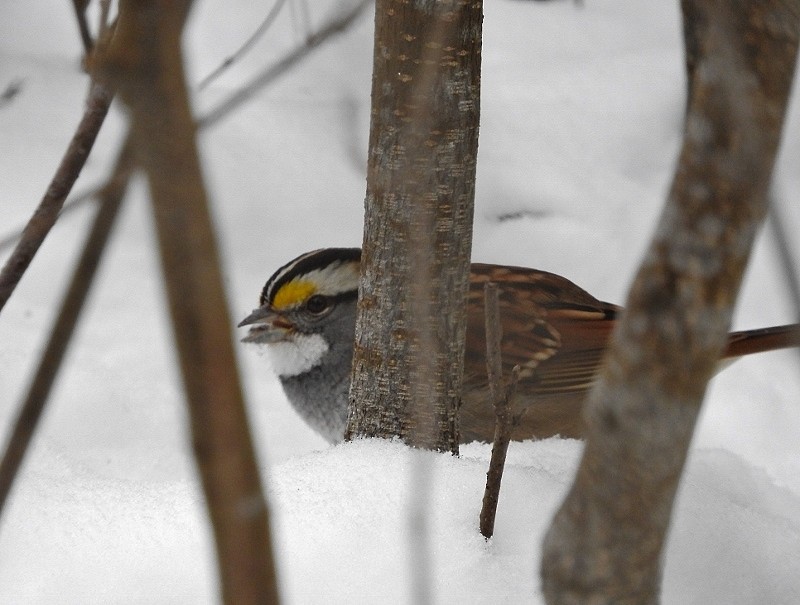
x: 541, y: 314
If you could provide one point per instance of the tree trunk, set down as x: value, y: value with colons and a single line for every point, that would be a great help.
x: 408, y: 362
x: 605, y: 543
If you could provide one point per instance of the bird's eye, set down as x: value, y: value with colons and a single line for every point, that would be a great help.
x: 317, y: 304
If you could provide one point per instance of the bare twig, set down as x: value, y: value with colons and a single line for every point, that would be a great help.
x: 335, y: 26
x: 248, y: 511
x: 501, y: 397
x: 38, y: 392
x: 105, y: 24
x: 145, y: 62
x: 223, y: 110
x: 83, y: 25
x: 301, y: 17
x: 71, y: 204
x: 45, y: 215
x: 244, y: 48
x: 494, y: 337
x: 11, y: 91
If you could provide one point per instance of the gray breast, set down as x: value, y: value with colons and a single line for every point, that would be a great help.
x: 320, y: 397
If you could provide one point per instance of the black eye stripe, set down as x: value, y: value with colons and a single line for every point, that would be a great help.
x: 330, y: 301
x: 339, y: 298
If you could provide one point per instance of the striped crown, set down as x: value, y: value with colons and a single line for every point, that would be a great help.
x: 331, y: 272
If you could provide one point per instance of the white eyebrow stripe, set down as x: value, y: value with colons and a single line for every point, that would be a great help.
x: 334, y: 279
x: 337, y: 278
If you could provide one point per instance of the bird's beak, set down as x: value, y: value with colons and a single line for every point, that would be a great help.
x: 267, y: 326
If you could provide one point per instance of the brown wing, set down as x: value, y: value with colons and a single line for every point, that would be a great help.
x: 555, y: 331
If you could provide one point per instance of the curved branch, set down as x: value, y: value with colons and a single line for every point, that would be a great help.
x: 244, y: 48
x: 38, y: 392
x: 269, y: 75
x: 605, y: 543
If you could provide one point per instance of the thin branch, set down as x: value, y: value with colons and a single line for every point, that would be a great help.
x: 11, y: 91
x: 337, y: 25
x: 105, y: 23
x: 244, y: 48
x: 224, y: 109
x: 71, y: 204
x: 501, y: 401
x: 83, y: 25
x: 494, y: 337
x: 112, y: 193
x: 68, y: 171
x: 61, y: 333
x: 301, y: 18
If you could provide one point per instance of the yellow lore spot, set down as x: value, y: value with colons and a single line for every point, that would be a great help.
x: 293, y: 293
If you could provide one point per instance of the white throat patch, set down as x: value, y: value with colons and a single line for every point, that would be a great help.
x: 295, y: 357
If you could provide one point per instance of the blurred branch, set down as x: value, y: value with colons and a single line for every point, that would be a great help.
x: 501, y: 401
x: 45, y: 215
x: 83, y: 25
x: 335, y: 26
x: 110, y: 200
x: 605, y: 543
x: 266, y: 78
x: 13, y: 88
x: 73, y: 203
x: 146, y: 64
x: 244, y: 48
x: 301, y: 17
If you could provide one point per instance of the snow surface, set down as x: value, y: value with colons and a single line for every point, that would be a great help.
x: 581, y: 125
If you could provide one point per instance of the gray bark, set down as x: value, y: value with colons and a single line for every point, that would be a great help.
x: 407, y: 367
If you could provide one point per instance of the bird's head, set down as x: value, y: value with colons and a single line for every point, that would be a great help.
x: 307, y: 308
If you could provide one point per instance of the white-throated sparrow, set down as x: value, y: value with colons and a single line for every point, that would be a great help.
x: 555, y: 331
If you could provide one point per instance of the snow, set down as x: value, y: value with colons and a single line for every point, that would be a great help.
x: 581, y: 126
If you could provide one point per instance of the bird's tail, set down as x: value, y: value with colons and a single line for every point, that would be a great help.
x: 762, y: 340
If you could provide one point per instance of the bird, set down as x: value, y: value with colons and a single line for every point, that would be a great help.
x: 555, y: 331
